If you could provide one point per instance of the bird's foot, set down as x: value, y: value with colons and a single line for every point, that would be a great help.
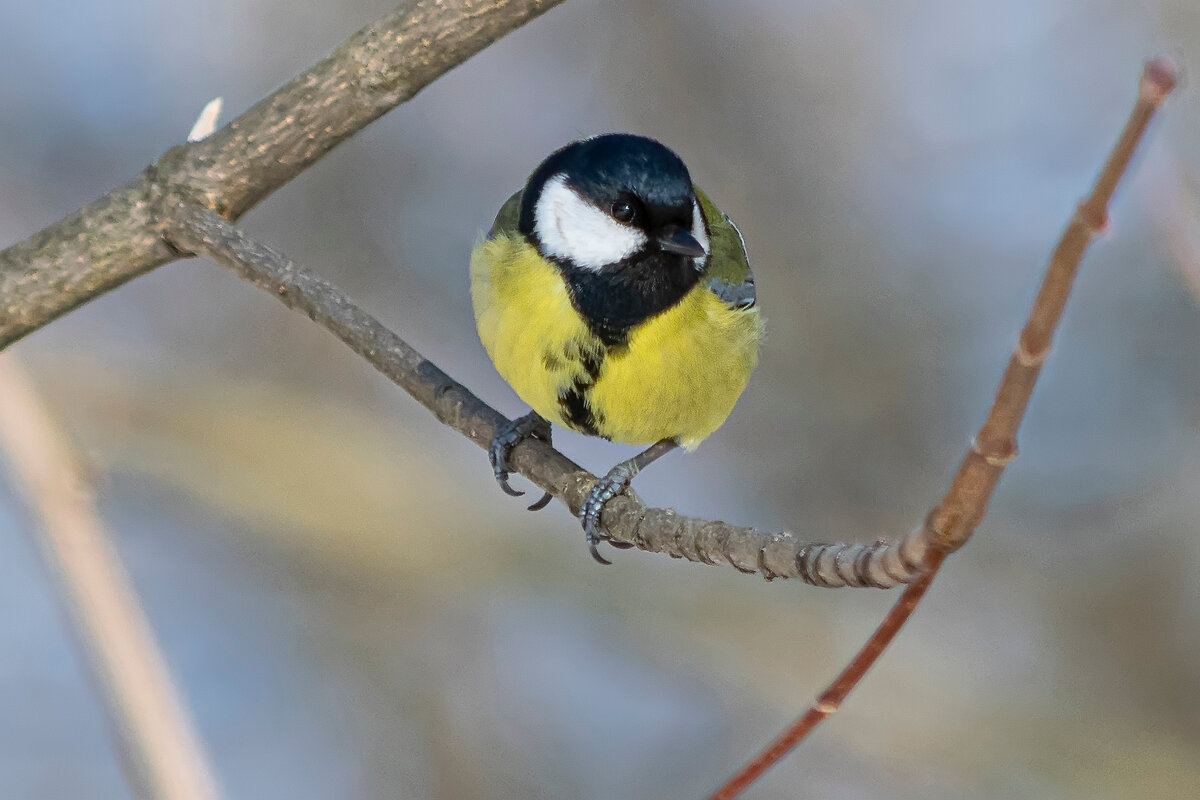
x: 509, y: 435
x: 614, y: 483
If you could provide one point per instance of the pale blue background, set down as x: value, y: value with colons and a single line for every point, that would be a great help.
x: 353, y: 609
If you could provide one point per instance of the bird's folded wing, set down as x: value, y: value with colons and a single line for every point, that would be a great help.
x: 509, y: 217
x: 737, y: 296
x: 727, y: 273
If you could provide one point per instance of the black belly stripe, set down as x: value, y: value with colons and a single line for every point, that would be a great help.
x: 573, y: 399
x: 576, y: 412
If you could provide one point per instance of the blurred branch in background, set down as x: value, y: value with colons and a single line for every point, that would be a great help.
x: 160, y: 751
x: 119, y: 236
x: 231, y: 170
x: 955, y: 518
x: 190, y: 193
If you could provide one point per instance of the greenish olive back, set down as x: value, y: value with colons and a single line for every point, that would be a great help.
x: 509, y: 217
x: 727, y: 261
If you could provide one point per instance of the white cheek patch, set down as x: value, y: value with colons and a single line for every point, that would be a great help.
x: 572, y: 228
x: 701, y: 233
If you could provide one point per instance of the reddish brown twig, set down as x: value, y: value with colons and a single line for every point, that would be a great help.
x: 952, y: 521
x: 831, y: 699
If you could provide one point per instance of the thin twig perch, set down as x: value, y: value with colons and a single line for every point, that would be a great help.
x: 955, y: 518
x: 182, y: 205
x: 626, y: 519
x: 131, y: 230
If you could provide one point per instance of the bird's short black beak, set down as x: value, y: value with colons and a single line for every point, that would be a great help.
x: 674, y: 239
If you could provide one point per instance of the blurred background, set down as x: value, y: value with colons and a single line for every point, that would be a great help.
x: 353, y: 609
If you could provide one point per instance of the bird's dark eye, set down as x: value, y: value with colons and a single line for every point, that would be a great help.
x: 622, y: 211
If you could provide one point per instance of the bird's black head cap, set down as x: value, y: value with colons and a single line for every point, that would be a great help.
x: 612, y: 167
x: 640, y: 185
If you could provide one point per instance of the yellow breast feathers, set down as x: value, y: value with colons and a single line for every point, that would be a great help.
x: 677, y: 376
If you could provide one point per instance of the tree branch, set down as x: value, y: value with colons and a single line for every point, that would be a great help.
x: 952, y: 521
x: 124, y: 234
x: 119, y: 236
x: 187, y: 192
x: 955, y: 518
x: 184, y: 202
x: 830, y: 700
x: 626, y: 519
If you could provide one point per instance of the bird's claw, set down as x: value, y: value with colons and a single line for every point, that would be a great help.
x: 614, y: 483
x: 540, y: 504
x: 507, y: 437
x: 592, y: 548
x: 502, y: 479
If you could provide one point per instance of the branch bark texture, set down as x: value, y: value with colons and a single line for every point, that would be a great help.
x: 193, y: 190
x: 626, y: 519
x: 183, y: 204
x: 119, y: 236
x: 952, y: 521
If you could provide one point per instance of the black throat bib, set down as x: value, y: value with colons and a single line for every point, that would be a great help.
x: 622, y: 295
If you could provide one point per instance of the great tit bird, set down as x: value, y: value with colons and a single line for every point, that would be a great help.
x: 618, y: 302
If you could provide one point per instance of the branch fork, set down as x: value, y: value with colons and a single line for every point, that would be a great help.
x: 184, y: 203
x: 952, y: 521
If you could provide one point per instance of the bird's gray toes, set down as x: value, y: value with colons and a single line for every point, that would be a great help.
x: 509, y: 435
x: 608, y: 487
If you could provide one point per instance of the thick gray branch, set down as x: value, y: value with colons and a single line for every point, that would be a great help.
x: 119, y: 236
x: 626, y: 519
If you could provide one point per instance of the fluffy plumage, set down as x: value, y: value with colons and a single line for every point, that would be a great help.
x: 616, y: 369
x: 617, y: 301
